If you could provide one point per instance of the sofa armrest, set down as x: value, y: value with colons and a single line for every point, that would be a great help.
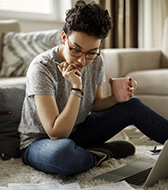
x: 119, y: 62
x: 122, y: 61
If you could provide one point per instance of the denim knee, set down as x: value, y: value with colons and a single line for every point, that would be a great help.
x: 135, y: 100
x: 61, y: 156
x: 75, y: 159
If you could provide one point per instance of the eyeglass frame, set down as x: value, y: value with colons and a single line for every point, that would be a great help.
x: 83, y: 52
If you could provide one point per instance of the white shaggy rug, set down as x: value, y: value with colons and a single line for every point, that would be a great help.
x: 14, y: 171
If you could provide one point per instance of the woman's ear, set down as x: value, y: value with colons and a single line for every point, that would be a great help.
x: 63, y: 37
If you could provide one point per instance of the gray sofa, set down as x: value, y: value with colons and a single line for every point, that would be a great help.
x: 148, y: 67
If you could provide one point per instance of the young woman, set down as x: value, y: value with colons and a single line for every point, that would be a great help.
x: 65, y: 118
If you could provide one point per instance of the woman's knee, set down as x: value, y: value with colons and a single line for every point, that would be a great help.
x: 47, y: 151
x: 73, y: 159
x: 57, y: 149
x: 135, y: 101
x: 61, y: 156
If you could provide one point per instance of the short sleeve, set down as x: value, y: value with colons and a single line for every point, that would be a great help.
x: 40, y: 79
x: 101, y: 71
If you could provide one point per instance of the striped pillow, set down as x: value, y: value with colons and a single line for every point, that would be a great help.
x: 19, y: 49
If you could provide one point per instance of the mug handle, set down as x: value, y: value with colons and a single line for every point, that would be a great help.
x: 135, y: 84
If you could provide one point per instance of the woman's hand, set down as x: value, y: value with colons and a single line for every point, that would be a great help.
x: 72, y: 74
x: 130, y: 88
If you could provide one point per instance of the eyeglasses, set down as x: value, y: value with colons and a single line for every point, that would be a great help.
x: 90, y: 55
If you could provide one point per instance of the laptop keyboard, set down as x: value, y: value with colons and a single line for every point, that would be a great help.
x: 139, y: 178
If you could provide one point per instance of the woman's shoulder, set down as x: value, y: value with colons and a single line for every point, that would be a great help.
x: 44, y: 60
x: 48, y: 55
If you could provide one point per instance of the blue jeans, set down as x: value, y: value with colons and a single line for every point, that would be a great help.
x: 69, y: 156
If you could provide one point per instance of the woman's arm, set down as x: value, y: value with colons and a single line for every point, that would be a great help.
x: 59, y: 125
x: 101, y: 103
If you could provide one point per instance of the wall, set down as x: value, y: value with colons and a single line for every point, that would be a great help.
x: 38, y: 22
x: 27, y: 26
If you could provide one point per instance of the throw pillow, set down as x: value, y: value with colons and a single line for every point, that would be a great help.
x: 19, y: 49
x: 11, y: 100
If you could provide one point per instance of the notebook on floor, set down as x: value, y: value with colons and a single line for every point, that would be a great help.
x: 140, y: 173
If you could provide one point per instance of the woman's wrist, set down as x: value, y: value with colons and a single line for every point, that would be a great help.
x: 113, y: 99
x: 79, y: 95
x: 77, y: 86
x: 77, y: 90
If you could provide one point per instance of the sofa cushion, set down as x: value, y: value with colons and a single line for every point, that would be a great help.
x: 19, y: 49
x: 11, y: 100
x: 152, y: 82
x: 7, y: 25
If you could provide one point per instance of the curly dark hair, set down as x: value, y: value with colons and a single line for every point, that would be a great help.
x: 88, y: 18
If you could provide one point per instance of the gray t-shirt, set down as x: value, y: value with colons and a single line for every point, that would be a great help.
x: 43, y: 77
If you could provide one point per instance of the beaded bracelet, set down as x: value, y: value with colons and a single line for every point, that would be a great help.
x: 78, y: 90
x: 74, y: 93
